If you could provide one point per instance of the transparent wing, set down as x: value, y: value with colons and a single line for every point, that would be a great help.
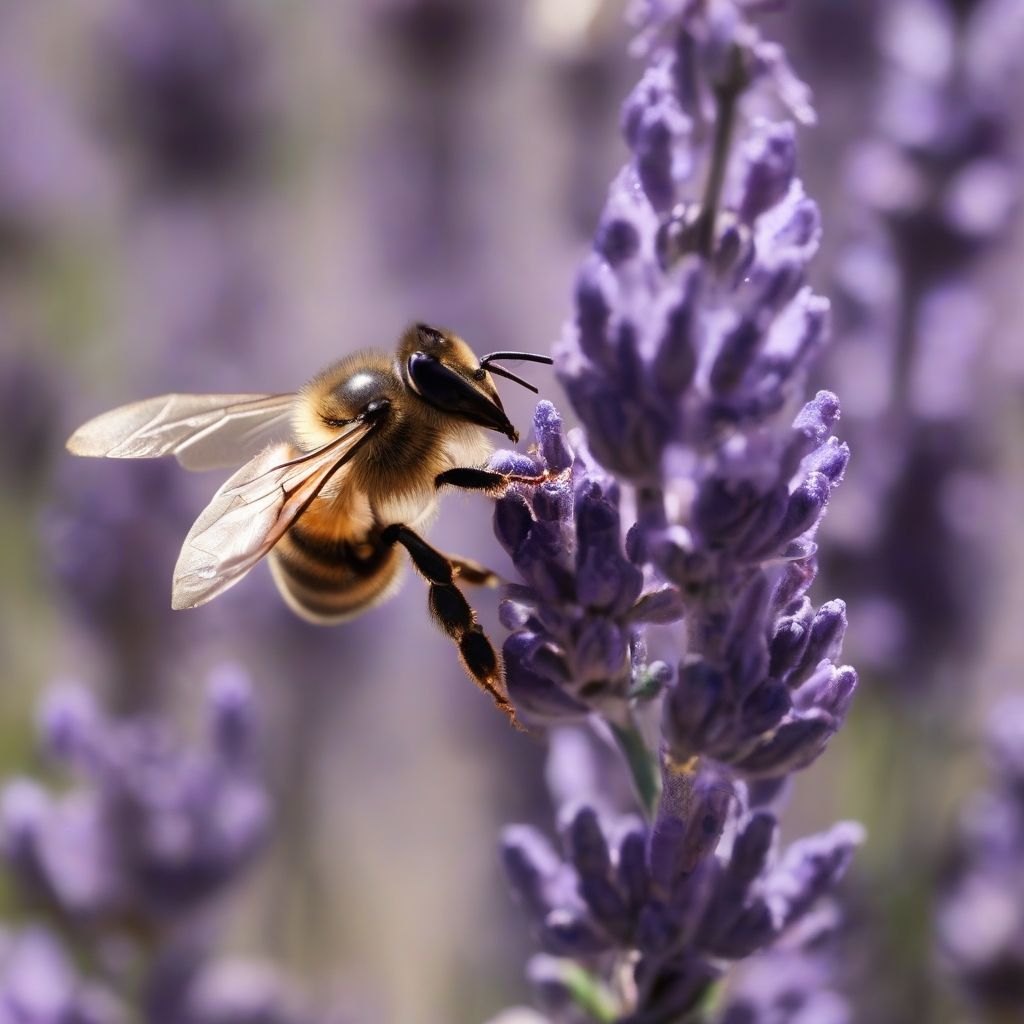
x: 252, y: 512
x: 202, y: 431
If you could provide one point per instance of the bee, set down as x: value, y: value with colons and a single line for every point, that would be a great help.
x: 336, y: 479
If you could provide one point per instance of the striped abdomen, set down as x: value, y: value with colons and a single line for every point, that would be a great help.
x: 328, y: 580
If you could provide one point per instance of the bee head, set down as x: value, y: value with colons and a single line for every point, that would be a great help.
x: 443, y: 371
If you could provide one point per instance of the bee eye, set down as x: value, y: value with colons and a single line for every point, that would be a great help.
x: 433, y: 381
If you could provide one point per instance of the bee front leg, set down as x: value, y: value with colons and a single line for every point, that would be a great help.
x: 453, y: 614
x: 486, y: 480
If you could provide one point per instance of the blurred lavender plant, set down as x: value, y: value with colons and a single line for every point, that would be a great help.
x: 979, y: 922
x: 107, y: 534
x: 39, y: 984
x: 187, y: 89
x: 693, y: 334
x: 419, y: 168
x: 157, y: 831
x: 133, y: 862
x: 790, y: 986
x: 933, y: 190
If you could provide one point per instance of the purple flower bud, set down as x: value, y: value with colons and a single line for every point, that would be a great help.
x: 806, y: 506
x: 555, y: 451
x: 690, y: 819
x: 531, y: 865
x: 789, y: 640
x: 735, y: 355
x: 692, y: 709
x: 752, y: 848
x: 565, y: 933
x: 795, y: 744
x: 825, y: 641
x: 632, y: 868
x: 587, y: 847
x: 592, y: 313
x: 513, y: 521
x: 829, y: 689
x: 675, y: 359
x: 754, y: 929
x: 770, y: 166
x: 809, y: 868
x: 533, y: 694
x: 617, y: 240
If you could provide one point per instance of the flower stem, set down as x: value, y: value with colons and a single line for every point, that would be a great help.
x: 727, y: 93
x: 590, y: 994
x: 642, y: 764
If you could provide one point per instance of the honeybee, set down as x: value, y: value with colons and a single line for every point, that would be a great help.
x: 336, y: 478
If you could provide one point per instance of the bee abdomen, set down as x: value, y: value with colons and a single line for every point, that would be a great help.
x: 327, y: 580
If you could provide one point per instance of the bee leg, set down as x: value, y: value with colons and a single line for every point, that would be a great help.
x: 473, y: 573
x: 453, y: 614
x: 487, y: 480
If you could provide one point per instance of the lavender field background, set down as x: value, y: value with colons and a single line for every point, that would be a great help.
x: 227, y: 816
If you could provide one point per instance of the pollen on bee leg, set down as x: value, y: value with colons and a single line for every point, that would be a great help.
x: 540, y: 478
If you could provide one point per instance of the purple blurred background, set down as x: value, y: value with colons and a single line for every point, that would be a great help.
x: 227, y: 196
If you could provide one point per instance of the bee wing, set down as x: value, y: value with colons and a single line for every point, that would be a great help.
x: 252, y: 512
x: 202, y: 431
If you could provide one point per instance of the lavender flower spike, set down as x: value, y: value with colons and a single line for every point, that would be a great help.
x: 156, y: 831
x: 671, y: 903
x: 693, y: 333
x: 685, y: 363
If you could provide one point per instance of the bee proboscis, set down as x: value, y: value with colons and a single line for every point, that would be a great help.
x: 336, y: 478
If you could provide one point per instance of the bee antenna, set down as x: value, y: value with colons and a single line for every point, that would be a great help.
x: 487, y: 363
x: 509, y: 375
x: 528, y: 357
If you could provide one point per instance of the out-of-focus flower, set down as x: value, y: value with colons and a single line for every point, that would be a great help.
x: 29, y: 393
x: 791, y: 986
x: 224, y: 992
x: 422, y: 156
x: 48, y: 172
x: 39, y: 985
x: 438, y: 38
x: 980, y: 915
x: 156, y: 830
x: 187, y: 88
x: 933, y: 188
x: 112, y: 535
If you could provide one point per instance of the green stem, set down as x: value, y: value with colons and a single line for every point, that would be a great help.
x: 642, y: 764
x: 727, y: 95
x: 589, y: 994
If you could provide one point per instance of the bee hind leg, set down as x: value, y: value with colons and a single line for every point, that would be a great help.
x: 451, y: 611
